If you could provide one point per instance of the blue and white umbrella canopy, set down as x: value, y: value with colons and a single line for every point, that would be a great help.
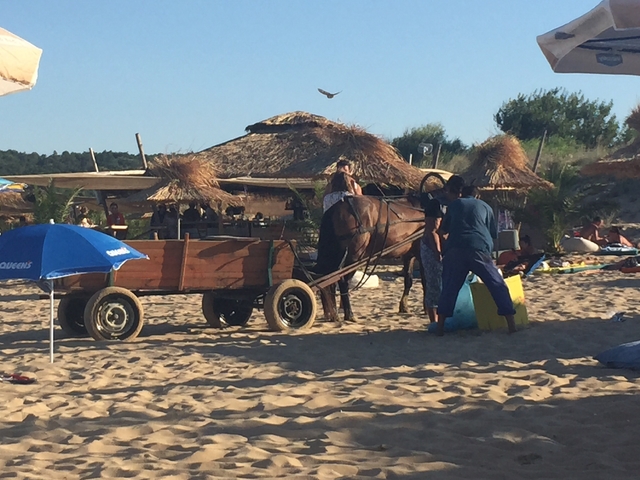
x: 49, y: 251
x: 9, y: 186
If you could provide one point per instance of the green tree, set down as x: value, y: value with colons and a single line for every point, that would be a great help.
x: 52, y: 203
x: 563, y: 114
x: 434, y: 133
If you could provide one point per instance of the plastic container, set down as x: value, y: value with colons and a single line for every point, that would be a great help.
x: 486, y: 310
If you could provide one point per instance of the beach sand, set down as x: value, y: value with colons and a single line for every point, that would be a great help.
x: 377, y: 398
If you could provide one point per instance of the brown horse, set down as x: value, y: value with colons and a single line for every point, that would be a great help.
x: 358, y: 227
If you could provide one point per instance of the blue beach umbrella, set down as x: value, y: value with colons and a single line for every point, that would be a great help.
x: 42, y: 253
x: 9, y: 186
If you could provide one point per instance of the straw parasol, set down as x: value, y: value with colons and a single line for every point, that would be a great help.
x: 13, y: 203
x: 500, y: 164
x: 303, y: 145
x: 624, y: 162
x: 184, y: 179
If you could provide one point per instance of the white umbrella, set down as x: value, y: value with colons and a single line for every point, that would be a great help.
x: 604, y: 40
x: 19, y: 62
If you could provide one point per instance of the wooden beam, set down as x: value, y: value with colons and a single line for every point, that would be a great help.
x: 539, y: 152
x: 183, y: 265
x: 93, y: 157
x: 141, y: 150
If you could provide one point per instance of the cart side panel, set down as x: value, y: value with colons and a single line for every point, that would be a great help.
x: 210, y: 265
x: 160, y: 272
x: 235, y: 264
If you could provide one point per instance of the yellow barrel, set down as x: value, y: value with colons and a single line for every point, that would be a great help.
x: 487, y: 311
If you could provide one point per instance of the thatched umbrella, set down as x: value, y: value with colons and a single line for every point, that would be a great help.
x: 499, y: 168
x: 500, y: 164
x: 624, y: 162
x: 185, y: 179
x: 13, y: 203
x: 302, y: 145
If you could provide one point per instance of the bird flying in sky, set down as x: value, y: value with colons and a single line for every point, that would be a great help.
x: 329, y: 95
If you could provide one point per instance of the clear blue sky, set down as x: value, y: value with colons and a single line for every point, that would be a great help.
x: 188, y: 74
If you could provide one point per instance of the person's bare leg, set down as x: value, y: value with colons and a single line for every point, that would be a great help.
x: 511, y: 323
x: 440, y: 329
x: 432, y: 313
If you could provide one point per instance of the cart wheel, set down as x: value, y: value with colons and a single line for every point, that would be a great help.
x: 113, y: 313
x: 290, y: 305
x: 221, y: 312
x: 71, y: 315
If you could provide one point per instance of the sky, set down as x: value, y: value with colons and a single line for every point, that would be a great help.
x: 189, y: 74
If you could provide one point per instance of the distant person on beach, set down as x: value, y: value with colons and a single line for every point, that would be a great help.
x: 344, y: 166
x: 115, y: 217
x: 615, y: 237
x: 171, y: 222
x: 516, y: 261
x: 472, y: 229
x: 191, y: 215
x: 157, y: 221
x: 591, y: 232
x: 431, y: 251
x: 83, y: 219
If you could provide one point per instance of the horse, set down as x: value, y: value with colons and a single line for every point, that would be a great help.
x: 361, y: 226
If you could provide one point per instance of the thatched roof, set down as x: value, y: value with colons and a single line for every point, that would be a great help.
x: 624, y: 162
x: 184, y: 179
x: 12, y: 203
x: 302, y: 145
x: 500, y: 163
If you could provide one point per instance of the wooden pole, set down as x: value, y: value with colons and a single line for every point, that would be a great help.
x: 436, y: 156
x: 539, y: 152
x: 141, y: 150
x: 93, y: 157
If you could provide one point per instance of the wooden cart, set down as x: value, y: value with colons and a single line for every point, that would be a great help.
x: 235, y: 275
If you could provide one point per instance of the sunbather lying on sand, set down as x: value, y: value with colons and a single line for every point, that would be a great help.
x: 615, y: 237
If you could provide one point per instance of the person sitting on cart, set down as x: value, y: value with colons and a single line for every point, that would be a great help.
x: 341, y: 186
x: 344, y: 166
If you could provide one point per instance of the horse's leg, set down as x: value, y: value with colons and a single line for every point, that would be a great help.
x: 345, y: 302
x: 328, y: 297
x: 408, y: 260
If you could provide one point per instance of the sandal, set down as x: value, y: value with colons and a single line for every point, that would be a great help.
x: 17, y: 378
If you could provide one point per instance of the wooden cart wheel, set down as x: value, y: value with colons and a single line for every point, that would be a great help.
x: 222, y: 312
x: 113, y: 313
x: 290, y: 305
x: 71, y: 315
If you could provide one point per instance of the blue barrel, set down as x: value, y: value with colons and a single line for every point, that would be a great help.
x: 464, y: 314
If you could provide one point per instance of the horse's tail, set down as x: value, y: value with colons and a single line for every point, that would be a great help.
x: 330, y: 253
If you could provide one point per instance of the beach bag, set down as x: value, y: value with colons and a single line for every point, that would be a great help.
x: 579, y: 245
x: 626, y: 355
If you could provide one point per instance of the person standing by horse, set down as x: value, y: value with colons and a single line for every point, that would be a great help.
x: 431, y: 250
x: 472, y: 229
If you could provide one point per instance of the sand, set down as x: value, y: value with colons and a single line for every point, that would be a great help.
x: 378, y: 398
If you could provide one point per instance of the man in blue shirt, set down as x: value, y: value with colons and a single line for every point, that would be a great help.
x: 472, y: 228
